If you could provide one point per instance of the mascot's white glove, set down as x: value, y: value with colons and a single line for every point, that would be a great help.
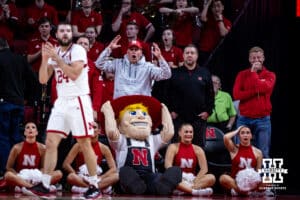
x: 247, y: 179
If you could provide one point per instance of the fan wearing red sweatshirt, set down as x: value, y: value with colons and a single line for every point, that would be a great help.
x: 254, y: 87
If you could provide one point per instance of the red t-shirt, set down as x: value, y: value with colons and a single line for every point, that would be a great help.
x: 34, y: 46
x: 108, y: 90
x: 174, y: 55
x: 210, y: 34
x: 107, y: 95
x: 141, y: 21
x: 82, y: 22
x: 36, y: 13
x: 95, y: 51
x: 96, y: 85
x: 183, y: 29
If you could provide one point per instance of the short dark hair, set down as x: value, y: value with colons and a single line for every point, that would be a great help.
x: 192, y: 46
x: 43, y: 20
x: 133, y: 23
x: 83, y: 36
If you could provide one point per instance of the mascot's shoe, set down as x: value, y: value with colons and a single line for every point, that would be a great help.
x: 168, y: 181
x: 131, y: 182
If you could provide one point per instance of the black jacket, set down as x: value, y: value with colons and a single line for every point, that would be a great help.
x: 190, y: 92
x: 16, y: 75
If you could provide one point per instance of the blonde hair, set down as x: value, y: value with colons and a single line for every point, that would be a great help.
x: 256, y: 49
x: 133, y: 107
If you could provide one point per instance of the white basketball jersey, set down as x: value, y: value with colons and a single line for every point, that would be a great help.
x: 64, y: 85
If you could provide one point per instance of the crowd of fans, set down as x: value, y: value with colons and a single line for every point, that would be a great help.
x: 178, y: 36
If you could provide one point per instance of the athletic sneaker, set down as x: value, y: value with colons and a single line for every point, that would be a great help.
x: 107, y: 190
x: 52, y: 189
x: 59, y: 187
x: 178, y: 192
x: 270, y: 193
x: 18, y: 189
x: 77, y: 189
x: 37, y: 190
x: 203, y: 192
x: 233, y: 192
x: 92, y: 192
x: 266, y: 193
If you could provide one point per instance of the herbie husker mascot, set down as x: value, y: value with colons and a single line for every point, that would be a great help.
x: 129, y: 121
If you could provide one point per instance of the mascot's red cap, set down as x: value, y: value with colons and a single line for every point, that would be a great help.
x: 153, y: 105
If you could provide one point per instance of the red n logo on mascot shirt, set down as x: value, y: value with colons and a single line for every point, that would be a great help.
x: 140, y: 157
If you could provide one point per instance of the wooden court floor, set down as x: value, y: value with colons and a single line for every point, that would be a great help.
x: 68, y: 196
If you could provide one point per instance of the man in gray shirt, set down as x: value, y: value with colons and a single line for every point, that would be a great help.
x: 133, y: 74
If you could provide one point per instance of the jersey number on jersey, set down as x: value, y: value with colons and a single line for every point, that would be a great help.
x: 61, y: 77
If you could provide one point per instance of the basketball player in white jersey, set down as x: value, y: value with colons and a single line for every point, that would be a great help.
x: 72, y: 111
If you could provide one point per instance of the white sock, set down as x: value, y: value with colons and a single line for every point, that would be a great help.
x: 93, y: 180
x: 46, y: 179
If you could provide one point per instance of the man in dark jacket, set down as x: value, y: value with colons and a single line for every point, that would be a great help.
x: 191, y: 97
x: 16, y: 75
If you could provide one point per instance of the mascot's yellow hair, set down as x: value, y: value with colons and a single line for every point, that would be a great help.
x: 133, y: 107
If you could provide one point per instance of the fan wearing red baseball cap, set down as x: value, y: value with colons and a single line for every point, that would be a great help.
x: 135, y: 44
x: 133, y: 74
x: 129, y: 121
